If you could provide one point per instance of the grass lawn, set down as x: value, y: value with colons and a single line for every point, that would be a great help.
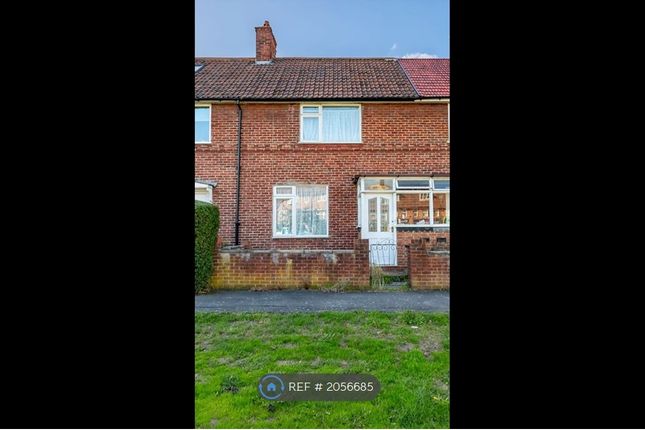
x: 233, y: 350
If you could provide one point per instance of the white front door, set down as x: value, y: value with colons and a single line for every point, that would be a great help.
x: 377, y: 225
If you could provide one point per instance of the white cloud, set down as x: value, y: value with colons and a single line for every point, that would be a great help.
x: 393, y: 47
x: 420, y: 55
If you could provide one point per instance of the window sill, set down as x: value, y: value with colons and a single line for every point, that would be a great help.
x: 202, y: 143
x: 284, y: 236
x: 427, y: 227
x: 331, y: 143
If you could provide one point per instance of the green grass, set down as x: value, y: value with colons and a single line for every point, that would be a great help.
x: 233, y: 350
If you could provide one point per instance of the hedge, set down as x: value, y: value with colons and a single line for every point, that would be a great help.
x: 206, y: 226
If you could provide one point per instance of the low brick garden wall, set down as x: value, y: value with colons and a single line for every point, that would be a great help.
x: 273, y: 269
x: 428, y: 265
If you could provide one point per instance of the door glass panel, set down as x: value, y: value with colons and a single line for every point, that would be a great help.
x: 371, y: 213
x: 385, y: 214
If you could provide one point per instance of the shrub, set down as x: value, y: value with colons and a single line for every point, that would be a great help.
x: 206, y: 226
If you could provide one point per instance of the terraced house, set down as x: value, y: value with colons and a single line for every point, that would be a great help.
x: 322, y: 167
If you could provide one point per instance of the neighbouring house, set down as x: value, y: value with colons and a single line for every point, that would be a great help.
x: 322, y: 167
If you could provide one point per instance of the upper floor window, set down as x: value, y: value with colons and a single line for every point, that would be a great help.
x: 202, y: 124
x: 330, y: 123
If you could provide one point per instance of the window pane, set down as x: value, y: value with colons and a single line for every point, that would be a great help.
x: 283, y: 214
x: 340, y: 124
x: 385, y: 214
x: 202, y: 114
x: 413, y: 183
x: 310, y: 129
x: 378, y: 184
x: 283, y: 190
x: 441, y: 184
x: 440, y: 208
x: 371, y: 214
x: 413, y: 209
x: 201, y: 132
x: 310, y: 109
x: 311, y: 210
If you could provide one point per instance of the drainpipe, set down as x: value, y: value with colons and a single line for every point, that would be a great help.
x: 239, y: 168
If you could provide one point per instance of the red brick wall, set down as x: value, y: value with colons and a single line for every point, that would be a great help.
x: 404, y: 238
x: 265, y: 44
x: 271, y: 269
x: 428, y: 265
x: 398, y: 139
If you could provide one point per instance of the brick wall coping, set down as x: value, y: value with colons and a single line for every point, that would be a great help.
x: 285, y: 251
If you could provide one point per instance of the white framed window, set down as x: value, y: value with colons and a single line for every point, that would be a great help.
x: 420, y: 201
x: 440, y: 201
x: 202, y: 124
x: 300, y: 211
x: 377, y: 184
x: 330, y: 123
x: 413, y: 183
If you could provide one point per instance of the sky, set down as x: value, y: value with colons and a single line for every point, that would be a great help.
x: 325, y: 28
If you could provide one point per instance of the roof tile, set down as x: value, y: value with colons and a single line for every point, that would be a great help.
x: 430, y: 76
x: 301, y: 79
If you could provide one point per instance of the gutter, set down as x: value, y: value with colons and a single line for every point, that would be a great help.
x: 308, y: 100
x: 437, y: 100
x: 239, y: 168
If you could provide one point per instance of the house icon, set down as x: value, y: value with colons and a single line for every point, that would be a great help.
x: 271, y: 387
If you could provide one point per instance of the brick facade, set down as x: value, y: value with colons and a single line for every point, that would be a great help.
x: 398, y: 139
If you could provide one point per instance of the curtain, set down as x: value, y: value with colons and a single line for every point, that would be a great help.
x: 340, y: 123
x: 311, y: 210
x: 310, y: 129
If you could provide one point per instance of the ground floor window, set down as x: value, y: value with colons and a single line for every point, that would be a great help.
x: 300, y: 211
x: 419, y: 202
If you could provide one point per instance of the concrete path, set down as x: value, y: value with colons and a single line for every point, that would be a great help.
x: 316, y: 301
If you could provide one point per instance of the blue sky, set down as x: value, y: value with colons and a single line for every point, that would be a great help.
x: 324, y: 28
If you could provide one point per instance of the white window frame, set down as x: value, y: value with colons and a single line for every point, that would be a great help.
x: 319, y: 115
x: 429, y: 192
x: 293, y: 197
x: 445, y: 191
x: 210, y: 119
x: 378, y: 178
x: 421, y: 178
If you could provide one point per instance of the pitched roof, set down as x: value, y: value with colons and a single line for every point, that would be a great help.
x: 430, y: 76
x: 302, y: 79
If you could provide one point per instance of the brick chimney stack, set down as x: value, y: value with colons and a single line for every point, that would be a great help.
x: 265, y: 44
